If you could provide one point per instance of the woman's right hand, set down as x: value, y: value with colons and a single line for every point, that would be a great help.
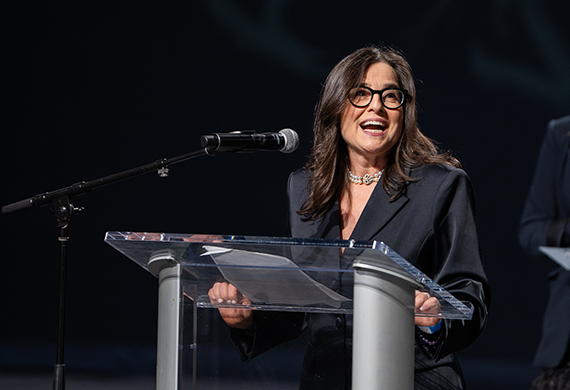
x: 226, y: 293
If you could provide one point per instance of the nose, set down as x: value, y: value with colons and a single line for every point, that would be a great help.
x: 376, y: 103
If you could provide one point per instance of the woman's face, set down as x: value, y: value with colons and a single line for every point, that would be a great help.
x: 372, y: 131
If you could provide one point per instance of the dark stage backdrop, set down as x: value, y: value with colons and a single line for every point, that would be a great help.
x: 91, y: 89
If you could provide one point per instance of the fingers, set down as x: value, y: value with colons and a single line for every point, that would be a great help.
x: 222, y: 294
x: 421, y: 298
x: 431, y: 305
x: 226, y: 293
x: 426, y: 303
x: 219, y: 293
x: 213, y: 293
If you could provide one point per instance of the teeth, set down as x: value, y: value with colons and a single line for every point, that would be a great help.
x: 373, y: 123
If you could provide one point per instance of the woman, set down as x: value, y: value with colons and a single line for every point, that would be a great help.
x: 372, y: 175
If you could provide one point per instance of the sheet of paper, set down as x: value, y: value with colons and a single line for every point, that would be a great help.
x: 559, y: 255
x: 271, y: 279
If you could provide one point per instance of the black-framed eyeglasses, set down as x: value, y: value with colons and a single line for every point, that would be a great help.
x: 391, y: 98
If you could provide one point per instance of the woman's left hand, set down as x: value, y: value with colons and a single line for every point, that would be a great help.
x: 427, y: 304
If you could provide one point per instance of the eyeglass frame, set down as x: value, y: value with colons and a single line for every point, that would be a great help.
x: 379, y: 92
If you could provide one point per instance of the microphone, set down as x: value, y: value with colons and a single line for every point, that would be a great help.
x: 286, y: 141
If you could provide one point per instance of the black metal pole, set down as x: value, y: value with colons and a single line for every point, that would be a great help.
x: 59, y: 368
x: 63, y: 211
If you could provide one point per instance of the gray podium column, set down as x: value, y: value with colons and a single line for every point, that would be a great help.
x: 383, y: 329
x: 168, y: 361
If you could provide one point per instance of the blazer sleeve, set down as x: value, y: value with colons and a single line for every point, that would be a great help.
x: 271, y: 329
x: 457, y: 263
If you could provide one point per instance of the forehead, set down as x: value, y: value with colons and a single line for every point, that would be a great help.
x: 380, y: 74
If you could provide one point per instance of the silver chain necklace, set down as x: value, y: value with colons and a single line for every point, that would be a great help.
x: 366, y: 179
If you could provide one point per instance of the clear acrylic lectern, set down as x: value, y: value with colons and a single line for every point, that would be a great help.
x: 280, y: 274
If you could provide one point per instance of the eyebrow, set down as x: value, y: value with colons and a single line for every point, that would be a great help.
x: 385, y: 86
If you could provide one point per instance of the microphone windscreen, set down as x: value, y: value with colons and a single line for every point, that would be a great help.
x: 291, y: 140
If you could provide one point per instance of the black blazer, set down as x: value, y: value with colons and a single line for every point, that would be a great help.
x: 546, y: 222
x: 432, y: 226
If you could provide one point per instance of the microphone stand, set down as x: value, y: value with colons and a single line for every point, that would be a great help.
x: 64, y: 210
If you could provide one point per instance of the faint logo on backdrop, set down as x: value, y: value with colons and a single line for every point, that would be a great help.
x: 269, y: 36
x: 512, y: 45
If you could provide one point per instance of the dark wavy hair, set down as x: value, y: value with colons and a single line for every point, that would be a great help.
x: 328, y: 161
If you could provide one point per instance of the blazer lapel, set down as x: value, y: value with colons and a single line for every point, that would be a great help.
x: 329, y: 228
x: 377, y: 214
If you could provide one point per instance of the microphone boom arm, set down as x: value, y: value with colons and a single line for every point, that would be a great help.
x: 83, y: 187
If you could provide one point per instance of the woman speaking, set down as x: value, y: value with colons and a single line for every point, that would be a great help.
x: 372, y: 175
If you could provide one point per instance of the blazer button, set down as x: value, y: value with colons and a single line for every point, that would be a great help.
x: 339, y: 322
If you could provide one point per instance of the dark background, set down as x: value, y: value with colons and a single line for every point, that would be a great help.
x: 92, y: 89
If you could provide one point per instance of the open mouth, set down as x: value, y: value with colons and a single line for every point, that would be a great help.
x: 374, y: 126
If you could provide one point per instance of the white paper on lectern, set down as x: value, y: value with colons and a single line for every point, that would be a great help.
x: 559, y: 255
x: 276, y: 279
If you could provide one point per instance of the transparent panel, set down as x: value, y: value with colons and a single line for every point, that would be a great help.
x: 210, y: 361
x: 283, y: 274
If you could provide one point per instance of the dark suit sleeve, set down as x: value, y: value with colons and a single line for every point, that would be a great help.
x: 457, y: 263
x: 271, y: 329
x: 542, y: 223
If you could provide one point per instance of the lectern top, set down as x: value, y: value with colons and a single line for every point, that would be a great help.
x: 278, y: 273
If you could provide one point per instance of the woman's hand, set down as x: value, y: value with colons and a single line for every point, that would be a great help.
x: 427, y: 304
x: 225, y: 293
